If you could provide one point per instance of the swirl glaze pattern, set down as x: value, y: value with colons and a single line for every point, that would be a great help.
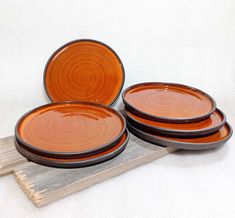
x: 84, y: 70
x: 70, y: 128
x: 168, y: 102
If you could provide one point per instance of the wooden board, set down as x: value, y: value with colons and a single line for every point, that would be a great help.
x: 9, y: 157
x: 44, y: 185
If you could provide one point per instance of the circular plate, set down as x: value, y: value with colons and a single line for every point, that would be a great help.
x: 84, y: 70
x: 76, y: 162
x: 168, y: 102
x: 70, y: 129
x: 210, y: 125
x: 200, y: 143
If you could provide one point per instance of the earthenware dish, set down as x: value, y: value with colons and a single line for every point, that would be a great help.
x: 168, y: 102
x: 199, y: 143
x: 76, y: 162
x: 84, y: 70
x: 205, y: 127
x: 70, y: 129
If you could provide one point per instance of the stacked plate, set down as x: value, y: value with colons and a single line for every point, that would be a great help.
x: 82, y: 79
x: 71, y: 134
x: 175, y: 115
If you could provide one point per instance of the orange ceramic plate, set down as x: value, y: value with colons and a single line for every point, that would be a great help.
x: 168, y: 102
x: 70, y: 129
x: 204, y: 127
x: 84, y: 70
x: 197, y: 143
x: 76, y: 162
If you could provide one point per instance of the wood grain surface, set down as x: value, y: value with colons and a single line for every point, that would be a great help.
x: 9, y: 157
x: 44, y: 185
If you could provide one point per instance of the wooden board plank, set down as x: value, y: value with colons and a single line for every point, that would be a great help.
x: 45, y: 184
x: 9, y: 157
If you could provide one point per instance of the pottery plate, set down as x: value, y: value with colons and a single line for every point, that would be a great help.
x: 210, y: 125
x: 76, y: 162
x: 168, y: 102
x: 84, y: 70
x: 199, y: 143
x: 70, y: 129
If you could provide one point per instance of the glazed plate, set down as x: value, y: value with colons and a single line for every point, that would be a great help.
x: 168, y: 102
x: 75, y: 162
x: 70, y: 129
x: 199, y: 143
x: 208, y: 126
x: 84, y: 70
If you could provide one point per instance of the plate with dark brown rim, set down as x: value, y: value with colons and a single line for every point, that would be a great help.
x: 168, y: 102
x: 197, y: 143
x: 76, y: 162
x: 205, y: 127
x: 70, y: 129
x: 84, y: 70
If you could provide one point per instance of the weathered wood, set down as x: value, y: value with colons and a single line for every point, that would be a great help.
x: 44, y: 184
x: 9, y: 157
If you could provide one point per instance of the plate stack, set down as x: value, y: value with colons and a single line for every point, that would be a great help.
x: 79, y: 128
x: 175, y: 115
x: 71, y: 134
